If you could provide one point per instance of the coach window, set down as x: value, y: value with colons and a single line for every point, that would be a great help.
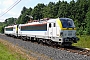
x: 50, y: 25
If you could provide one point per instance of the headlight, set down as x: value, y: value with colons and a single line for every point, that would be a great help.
x: 61, y: 34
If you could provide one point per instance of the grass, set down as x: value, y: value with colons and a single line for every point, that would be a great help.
x: 84, y: 42
x: 11, y: 52
x: 5, y: 54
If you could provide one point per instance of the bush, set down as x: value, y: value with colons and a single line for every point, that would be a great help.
x: 1, y: 29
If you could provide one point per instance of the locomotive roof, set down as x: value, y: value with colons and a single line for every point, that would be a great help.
x: 10, y: 26
x: 54, y: 20
x: 43, y: 21
x: 65, y: 18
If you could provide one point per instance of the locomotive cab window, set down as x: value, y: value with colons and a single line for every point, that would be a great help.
x: 67, y: 23
x: 50, y: 25
x: 9, y: 29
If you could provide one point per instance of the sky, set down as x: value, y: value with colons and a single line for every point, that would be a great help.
x: 16, y: 10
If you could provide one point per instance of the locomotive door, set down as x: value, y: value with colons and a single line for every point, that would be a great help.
x: 54, y: 29
x: 51, y: 30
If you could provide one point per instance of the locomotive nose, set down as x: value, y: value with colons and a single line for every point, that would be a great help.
x: 71, y: 39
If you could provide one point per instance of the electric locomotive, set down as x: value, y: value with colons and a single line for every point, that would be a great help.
x: 60, y: 31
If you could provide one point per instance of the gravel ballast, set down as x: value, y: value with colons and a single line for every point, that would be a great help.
x: 53, y: 53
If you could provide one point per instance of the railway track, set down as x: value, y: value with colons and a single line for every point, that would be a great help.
x: 73, y: 49
x: 76, y: 50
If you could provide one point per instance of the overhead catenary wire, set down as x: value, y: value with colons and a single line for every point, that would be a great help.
x: 12, y: 6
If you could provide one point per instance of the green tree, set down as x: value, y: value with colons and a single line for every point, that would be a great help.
x: 23, y: 18
x: 37, y: 12
x: 23, y: 10
x: 49, y: 11
x: 88, y: 22
x: 63, y: 9
x: 81, y: 10
x: 10, y: 21
x: 1, y: 29
x: 88, y: 19
x: 72, y: 9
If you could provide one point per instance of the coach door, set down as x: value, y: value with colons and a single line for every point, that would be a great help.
x: 51, y: 30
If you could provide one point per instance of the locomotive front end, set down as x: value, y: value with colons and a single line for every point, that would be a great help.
x: 67, y: 31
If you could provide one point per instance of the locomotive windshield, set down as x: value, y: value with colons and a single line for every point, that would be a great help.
x: 67, y: 23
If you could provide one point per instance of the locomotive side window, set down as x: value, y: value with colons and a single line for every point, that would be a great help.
x: 40, y: 27
x: 9, y: 29
x: 50, y: 25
